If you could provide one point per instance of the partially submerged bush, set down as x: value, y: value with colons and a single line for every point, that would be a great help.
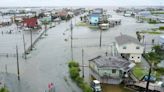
x: 74, y: 74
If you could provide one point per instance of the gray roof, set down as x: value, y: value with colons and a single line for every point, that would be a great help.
x: 125, y: 39
x: 112, y: 62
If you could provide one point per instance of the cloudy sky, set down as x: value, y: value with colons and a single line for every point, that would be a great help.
x: 80, y: 2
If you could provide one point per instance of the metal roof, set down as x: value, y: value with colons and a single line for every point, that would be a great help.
x: 112, y: 62
x: 125, y: 39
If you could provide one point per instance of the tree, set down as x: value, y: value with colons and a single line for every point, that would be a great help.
x: 154, y: 58
x: 157, y: 49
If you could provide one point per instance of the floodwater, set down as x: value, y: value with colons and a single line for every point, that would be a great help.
x: 49, y: 59
x: 114, y: 88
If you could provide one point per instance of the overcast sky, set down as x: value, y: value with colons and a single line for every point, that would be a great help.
x: 80, y: 2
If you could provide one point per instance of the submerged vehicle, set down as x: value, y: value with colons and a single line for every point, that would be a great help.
x: 96, y: 87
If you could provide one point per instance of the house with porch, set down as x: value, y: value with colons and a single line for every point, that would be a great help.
x: 109, y: 69
x: 129, y: 48
x: 30, y: 22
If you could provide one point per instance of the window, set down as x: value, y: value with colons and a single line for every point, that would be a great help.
x: 124, y: 47
x: 113, y: 70
x: 137, y: 47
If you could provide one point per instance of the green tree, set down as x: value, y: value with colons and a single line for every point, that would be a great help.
x: 154, y: 58
x: 157, y: 49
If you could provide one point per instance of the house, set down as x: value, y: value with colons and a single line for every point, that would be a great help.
x: 97, y: 11
x: 128, y: 14
x: 5, y: 21
x: 109, y: 69
x: 46, y: 20
x: 30, y: 22
x: 95, y: 15
x: 129, y: 47
x: 62, y: 14
x: 94, y: 19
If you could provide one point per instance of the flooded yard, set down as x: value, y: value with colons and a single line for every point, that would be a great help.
x: 114, y: 88
x: 48, y: 61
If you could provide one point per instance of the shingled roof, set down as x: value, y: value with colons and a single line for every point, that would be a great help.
x: 112, y: 62
x: 124, y: 39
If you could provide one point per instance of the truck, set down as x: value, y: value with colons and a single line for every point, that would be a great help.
x: 95, y: 85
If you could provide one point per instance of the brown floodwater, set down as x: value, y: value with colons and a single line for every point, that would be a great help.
x: 114, y: 88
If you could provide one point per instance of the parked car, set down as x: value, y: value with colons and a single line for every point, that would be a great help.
x: 95, y: 84
x: 152, y: 78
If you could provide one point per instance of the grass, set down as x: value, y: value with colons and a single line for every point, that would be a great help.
x: 157, y: 12
x: 151, y: 32
x: 138, y: 71
x: 87, y: 25
x: 81, y: 24
x: 93, y: 27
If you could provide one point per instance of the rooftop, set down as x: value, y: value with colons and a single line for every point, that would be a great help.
x: 112, y: 62
x: 125, y: 39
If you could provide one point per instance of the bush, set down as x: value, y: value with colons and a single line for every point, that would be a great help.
x: 74, y: 72
x: 3, y: 90
x: 79, y: 80
x: 161, y: 28
x: 87, y: 88
x: 73, y: 64
x: 152, y: 22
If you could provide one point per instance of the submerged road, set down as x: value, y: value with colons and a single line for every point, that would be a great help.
x: 48, y: 60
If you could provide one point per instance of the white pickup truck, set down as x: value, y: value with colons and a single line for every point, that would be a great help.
x: 96, y: 87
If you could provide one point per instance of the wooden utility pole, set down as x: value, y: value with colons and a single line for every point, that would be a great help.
x: 24, y: 44
x: 147, y: 85
x: 71, y: 41
x: 17, y: 62
x: 83, y: 63
x: 100, y: 37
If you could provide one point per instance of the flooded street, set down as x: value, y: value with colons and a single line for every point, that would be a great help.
x: 50, y: 56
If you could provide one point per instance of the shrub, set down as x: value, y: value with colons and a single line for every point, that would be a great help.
x: 74, y: 72
x: 3, y: 89
x: 73, y: 64
x: 87, y: 88
x: 79, y: 80
x: 161, y: 28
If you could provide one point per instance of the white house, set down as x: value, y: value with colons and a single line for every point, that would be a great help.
x: 109, y: 69
x: 129, y: 48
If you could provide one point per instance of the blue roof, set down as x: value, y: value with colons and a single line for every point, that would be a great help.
x: 94, y: 15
